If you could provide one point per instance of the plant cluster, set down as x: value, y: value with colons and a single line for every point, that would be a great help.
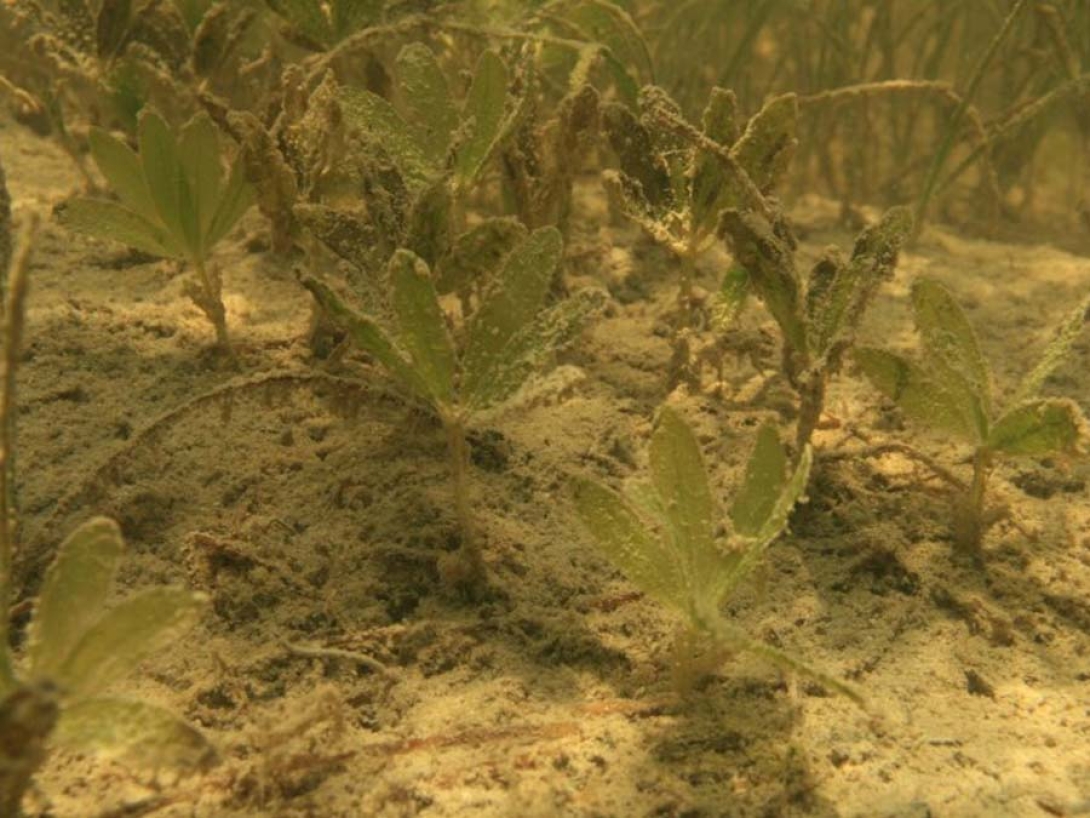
x: 417, y: 165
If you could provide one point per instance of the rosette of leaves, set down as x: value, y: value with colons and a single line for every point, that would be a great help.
x: 78, y: 647
x: 818, y: 313
x: 668, y: 535
x: 949, y: 390
x: 427, y: 135
x: 174, y: 201
x: 675, y: 179
x: 507, y: 338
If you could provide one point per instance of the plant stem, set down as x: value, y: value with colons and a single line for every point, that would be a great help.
x: 681, y: 365
x: 470, y: 571
x: 811, y: 405
x: 969, y: 515
x: 211, y: 303
x: 14, y: 322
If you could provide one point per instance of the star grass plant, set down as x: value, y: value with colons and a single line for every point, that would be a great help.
x: 669, y: 536
x: 174, y: 201
x: 463, y: 376
x: 949, y: 390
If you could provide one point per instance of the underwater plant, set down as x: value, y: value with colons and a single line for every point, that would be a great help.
x: 817, y: 315
x: 665, y: 533
x: 675, y: 179
x: 174, y: 201
x: 950, y: 391
x: 461, y: 376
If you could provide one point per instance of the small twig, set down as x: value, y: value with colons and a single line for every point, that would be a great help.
x: 319, y: 652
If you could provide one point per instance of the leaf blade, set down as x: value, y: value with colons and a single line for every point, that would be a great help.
x: 422, y: 328
x: 127, y: 634
x: 1039, y: 427
x: 627, y: 543
x: 73, y: 594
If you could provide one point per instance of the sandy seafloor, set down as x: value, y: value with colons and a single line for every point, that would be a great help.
x: 312, y: 517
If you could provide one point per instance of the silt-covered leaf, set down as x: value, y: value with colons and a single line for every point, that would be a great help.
x: 477, y: 252
x: 770, y: 262
x: 421, y: 326
x: 627, y: 542
x: 127, y: 634
x: 135, y: 732
x: 108, y: 220
x: 711, y: 188
x: 768, y: 143
x: 950, y: 345
x: 510, y: 303
x: 382, y: 124
x: 529, y: 349
x: 681, y: 480
x: 766, y: 474
x: 1039, y: 427
x: 484, y: 114
x: 73, y: 594
x: 426, y: 101
x: 940, y: 403
x: 370, y: 336
x: 1062, y: 341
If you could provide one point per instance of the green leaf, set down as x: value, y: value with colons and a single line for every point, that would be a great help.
x: 711, y: 188
x: 768, y: 144
x: 606, y: 23
x: 483, y: 114
x: 1039, y: 427
x: 639, y: 553
x: 681, y: 480
x: 948, y: 339
x: 477, y: 252
x: 1058, y: 349
x: 121, y: 167
x: 199, y: 155
x: 371, y: 337
x: 838, y: 302
x: 109, y: 220
x: 73, y: 594
x: 422, y: 328
x: 770, y: 262
x: 126, y: 635
x: 381, y: 122
x: 790, y: 495
x: 426, y: 101
x: 510, y: 303
x: 163, y: 171
x: 942, y: 403
x: 529, y: 348
x: 628, y: 196
x: 307, y: 16
x: 235, y: 199
x: 766, y: 474
x: 731, y: 299
x: 138, y: 733
x: 350, y: 16
x: 639, y: 157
